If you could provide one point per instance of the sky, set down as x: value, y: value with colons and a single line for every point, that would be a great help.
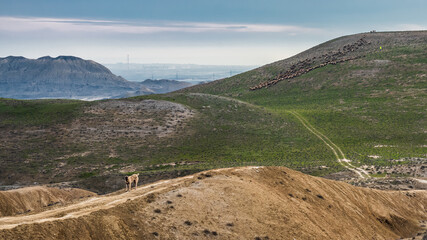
x: 215, y: 32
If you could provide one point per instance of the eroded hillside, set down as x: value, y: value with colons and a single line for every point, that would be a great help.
x: 235, y: 203
x: 36, y: 199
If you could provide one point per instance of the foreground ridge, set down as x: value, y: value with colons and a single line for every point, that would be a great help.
x: 232, y: 203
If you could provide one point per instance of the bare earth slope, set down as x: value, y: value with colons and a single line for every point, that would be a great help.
x: 32, y: 199
x: 236, y: 203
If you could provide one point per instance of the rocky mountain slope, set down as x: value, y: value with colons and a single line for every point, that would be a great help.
x: 234, y: 203
x: 69, y: 77
x: 61, y: 77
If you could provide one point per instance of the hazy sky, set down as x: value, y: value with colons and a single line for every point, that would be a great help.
x: 238, y: 32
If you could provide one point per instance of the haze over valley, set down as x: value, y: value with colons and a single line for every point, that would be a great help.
x: 191, y: 73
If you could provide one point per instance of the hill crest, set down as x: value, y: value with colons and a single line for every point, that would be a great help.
x: 233, y: 203
x: 242, y: 83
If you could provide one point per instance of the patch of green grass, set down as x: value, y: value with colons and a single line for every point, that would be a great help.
x: 37, y: 112
x: 227, y: 133
x: 87, y: 174
x: 378, y: 175
x: 359, y: 104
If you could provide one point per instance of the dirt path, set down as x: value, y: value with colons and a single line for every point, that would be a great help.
x: 339, y: 154
x: 335, y: 149
x: 231, y: 203
x: 96, y: 203
x: 224, y: 98
x: 88, y: 206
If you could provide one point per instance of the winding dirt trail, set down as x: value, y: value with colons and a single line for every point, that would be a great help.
x: 335, y: 149
x: 339, y: 154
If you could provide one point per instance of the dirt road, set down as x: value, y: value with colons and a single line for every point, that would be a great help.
x: 233, y: 203
x: 339, y: 154
x: 335, y: 149
x: 88, y: 206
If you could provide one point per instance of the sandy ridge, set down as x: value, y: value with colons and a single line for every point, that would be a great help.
x: 88, y: 206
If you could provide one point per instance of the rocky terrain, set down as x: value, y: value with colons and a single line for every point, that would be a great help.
x: 411, y: 176
x: 72, y: 78
x: 102, y: 142
x: 234, y: 203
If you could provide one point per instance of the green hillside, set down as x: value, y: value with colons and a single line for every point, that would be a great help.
x: 371, y: 106
x: 361, y: 102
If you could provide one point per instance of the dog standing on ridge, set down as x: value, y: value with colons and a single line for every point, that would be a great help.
x: 130, y: 179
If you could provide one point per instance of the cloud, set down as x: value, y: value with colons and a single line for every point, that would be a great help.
x: 17, y: 24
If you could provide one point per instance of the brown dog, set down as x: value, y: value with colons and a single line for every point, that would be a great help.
x: 130, y: 179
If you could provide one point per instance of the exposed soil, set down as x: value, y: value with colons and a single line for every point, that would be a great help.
x: 130, y: 119
x: 237, y: 203
x: 113, y: 182
x: 36, y: 199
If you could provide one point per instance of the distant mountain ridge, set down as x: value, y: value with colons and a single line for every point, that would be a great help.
x: 164, y: 85
x: 67, y: 77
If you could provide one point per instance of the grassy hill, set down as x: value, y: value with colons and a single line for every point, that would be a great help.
x: 55, y: 141
x: 372, y: 108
